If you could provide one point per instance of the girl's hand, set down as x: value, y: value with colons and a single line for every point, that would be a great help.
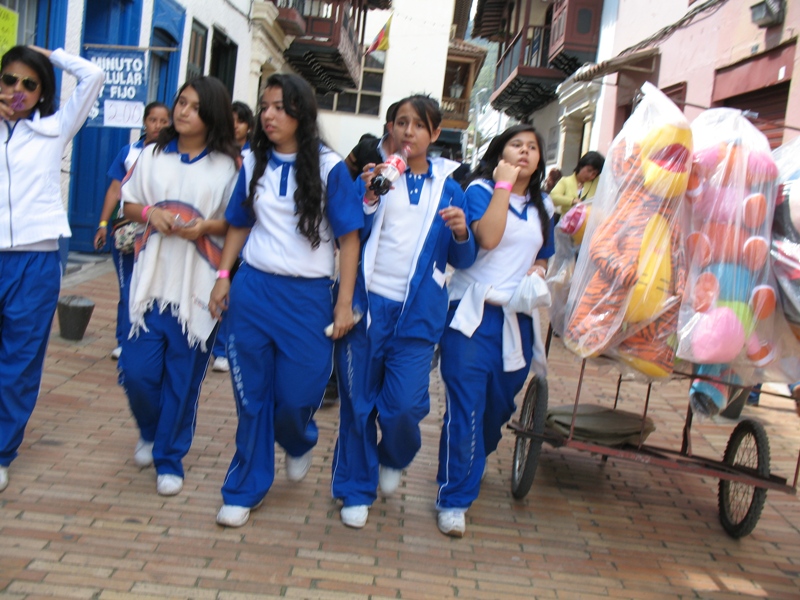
x: 456, y: 220
x: 370, y: 170
x: 192, y: 230
x: 44, y: 51
x: 505, y: 171
x: 100, y: 237
x: 343, y: 319
x: 539, y: 270
x: 220, y: 295
x: 6, y: 112
x: 162, y: 219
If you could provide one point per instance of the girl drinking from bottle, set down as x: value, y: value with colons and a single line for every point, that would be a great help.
x: 293, y: 202
x: 178, y: 190
x: 481, y: 367
x: 383, y: 364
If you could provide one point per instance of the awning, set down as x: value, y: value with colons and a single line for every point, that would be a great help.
x: 629, y: 62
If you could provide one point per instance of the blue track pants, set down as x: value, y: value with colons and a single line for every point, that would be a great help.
x: 162, y: 374
x: 480, y: 401
x: 29, y: 286
x: 124, y: 266
x: 383, y: 381
x: 280, y: 361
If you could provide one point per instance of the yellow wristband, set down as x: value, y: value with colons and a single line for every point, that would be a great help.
x: 102, y: 224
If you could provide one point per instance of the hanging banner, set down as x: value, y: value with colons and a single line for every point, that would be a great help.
x: 9, y: 22
x: 122, y: 101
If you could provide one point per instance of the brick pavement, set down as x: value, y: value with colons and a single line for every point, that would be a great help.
x: 79, y: 520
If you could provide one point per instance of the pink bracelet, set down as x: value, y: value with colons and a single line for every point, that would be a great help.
x: 223, y: 274
x: 503, y: 185
x: 144, y: 212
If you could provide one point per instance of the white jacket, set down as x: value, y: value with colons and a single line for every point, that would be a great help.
x: 31, y: 209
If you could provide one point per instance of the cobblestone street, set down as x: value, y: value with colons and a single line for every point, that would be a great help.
x: 80, y: 520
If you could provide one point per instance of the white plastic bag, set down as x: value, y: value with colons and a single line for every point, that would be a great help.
x: 531, y: 293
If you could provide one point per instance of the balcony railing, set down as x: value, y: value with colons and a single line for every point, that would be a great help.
x: 456, y: 109
x: 298, y: 5
x: 521, y: 52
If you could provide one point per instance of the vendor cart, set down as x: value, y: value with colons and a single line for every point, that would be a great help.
x: 744, y: 471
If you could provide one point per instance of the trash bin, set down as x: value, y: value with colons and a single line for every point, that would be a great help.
x: 74, y: 313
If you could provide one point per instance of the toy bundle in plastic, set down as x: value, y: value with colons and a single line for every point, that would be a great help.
x: 627, y: 287
x: 727, y: 312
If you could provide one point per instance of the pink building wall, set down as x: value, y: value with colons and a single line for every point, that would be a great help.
x: 715, y: 39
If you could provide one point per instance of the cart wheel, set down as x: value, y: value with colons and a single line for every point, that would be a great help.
x: 526, y: 449
x: 740, y: 504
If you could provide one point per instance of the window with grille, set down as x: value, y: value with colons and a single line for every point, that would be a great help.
x: 26, y: 9
x: 197, y: 51
x: 366, y: 100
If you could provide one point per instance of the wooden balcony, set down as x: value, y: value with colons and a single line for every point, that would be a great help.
x: 326, y: 53
x: 523, y: 81
x: 455, y: 113
x: 576, y: 33
x: 290, y: 16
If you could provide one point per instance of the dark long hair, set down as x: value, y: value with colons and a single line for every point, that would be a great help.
x: 427, y: 109
x: 494, y: 153
x: 215, y: 112
x: 41, y: 65
x: 300, y: 103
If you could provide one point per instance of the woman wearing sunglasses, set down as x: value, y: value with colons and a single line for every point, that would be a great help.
x: 35, y: 135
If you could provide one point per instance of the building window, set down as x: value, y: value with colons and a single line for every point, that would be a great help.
x: 26, y: 9
x: 197, y: 51
x: 367, y: 99
x: 223, y: 59
x: 676, y: 93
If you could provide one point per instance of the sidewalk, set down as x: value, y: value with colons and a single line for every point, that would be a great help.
x: 79, y: 520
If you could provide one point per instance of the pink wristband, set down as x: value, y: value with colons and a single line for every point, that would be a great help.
x: 145, y: 211
x: 223, y: 274
x: 503, y: 185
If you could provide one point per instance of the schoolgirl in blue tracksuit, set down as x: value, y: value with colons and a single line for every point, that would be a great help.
x: 156, y: 117
x: 178, y: 189
x: 294, y: 200
x: 32, y: 219
x: 486, y: 349
x: 383, y: 365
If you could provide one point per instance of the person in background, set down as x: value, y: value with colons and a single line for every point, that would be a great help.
x: 293, y: 202
x: 243, y: 123
x: 383, y: 364
x: 32, y: 219
x: 370, y: 149
x: 511, y: 220
x: 581, y: 185
x: 156, y: 117
x: 178, y: 190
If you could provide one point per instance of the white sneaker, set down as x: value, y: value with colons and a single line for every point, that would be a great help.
x: 355, y: 516
x: 221, y: 365
x: 451, y: 522
x: 297, y: 467
x: 3, y: 478
x: 169, y: 485
x: 233, y: 516
x: 388, y: 479
x: 116, y: 353
x: 143, y: 454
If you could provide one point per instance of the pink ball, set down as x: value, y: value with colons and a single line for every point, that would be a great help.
x: 718, y: 337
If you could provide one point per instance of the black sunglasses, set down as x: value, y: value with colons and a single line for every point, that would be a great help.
x: 11, y: 79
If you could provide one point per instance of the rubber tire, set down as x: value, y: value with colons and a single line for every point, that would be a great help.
x: 734, y: 519
x: 527, y: 449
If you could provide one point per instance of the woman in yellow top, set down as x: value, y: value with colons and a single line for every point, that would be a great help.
x: 579, y: 186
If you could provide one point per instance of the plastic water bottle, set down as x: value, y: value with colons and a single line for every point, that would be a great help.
x: 395, y: 166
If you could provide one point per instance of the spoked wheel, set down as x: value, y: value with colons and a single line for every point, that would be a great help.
x: 740, y: 504
x: 527, y: 449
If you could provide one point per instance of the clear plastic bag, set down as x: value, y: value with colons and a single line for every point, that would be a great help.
x: 629, y: 278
